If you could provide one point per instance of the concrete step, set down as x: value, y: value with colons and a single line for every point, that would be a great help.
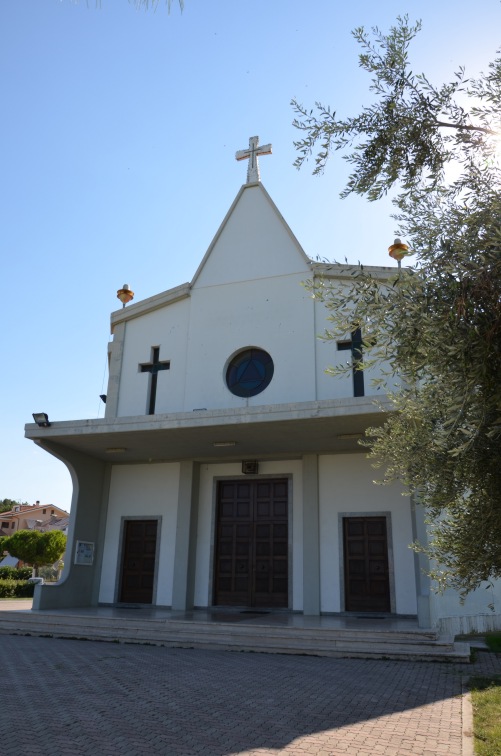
x: 264, y: 638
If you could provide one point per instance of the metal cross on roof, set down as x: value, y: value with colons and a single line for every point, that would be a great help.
x: 252, y: 156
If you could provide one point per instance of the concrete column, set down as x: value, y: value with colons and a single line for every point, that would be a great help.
x: 421, y: 565
x: 79, y: 583
x: 186, y: 536
x: 115, y: 355
x: 311, y: 536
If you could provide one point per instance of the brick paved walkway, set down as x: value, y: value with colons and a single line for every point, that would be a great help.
x: 67, y: 698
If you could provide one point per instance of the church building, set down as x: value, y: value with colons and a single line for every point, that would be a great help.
x: 227, y: 470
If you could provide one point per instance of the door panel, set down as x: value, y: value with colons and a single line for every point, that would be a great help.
x: 367, y: 587
x: 251, y: 566
x: 138, y: 567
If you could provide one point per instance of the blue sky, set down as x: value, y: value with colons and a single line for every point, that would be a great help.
x: 118, y: 134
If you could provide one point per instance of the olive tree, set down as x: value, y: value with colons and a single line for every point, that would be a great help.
x: 437, y: 323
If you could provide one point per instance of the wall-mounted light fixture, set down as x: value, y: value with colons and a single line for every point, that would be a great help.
x: 103, y: 398
x: 41, y: 419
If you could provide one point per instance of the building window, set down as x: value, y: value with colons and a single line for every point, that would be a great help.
x: 249, y: 372
x: 5, y: 524
x: 44, y: 511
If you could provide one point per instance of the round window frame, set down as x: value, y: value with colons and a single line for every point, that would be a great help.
x: 235, y: 386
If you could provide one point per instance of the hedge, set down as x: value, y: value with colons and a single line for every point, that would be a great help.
x: 14, y: 573
x: 16, y: 589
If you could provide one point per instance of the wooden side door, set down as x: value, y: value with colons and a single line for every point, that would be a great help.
x: 366, y: 576
x: 251, y: 563
x: 138, y: 566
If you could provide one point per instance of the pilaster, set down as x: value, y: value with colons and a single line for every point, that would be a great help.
x: 311, y: 536
x: 421, y: 565
x: 115, y: 355
x: 186, y: 536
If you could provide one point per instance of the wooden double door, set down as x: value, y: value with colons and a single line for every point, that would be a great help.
x: 366, y: 574
x: 251, y: 556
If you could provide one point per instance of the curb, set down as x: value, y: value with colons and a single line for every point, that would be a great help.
x: 466, y: 720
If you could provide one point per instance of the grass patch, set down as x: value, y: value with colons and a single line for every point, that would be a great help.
x: 486, y: 701
x: 493, y: 641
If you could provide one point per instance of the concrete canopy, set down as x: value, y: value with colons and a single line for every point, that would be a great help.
x: 267, y: 432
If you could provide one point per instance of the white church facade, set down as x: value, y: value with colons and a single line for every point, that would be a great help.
x: 227, y: 469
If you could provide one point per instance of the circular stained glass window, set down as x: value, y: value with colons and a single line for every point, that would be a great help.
x: 249, y: 372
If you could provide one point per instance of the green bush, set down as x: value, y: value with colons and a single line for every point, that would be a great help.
x: 16, y: 589
x: 14, y: 573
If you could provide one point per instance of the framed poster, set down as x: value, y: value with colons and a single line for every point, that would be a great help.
x: 84, y: 552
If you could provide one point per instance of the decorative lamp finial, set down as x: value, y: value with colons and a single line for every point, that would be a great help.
x: 125, y: 295
x: 398, y: 250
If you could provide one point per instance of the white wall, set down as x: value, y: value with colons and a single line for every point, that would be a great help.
x: 274, y: 314
x: 346, y: 485
x: 201, y: 334
x: 168, y: 329
x: 248, y: 293
x: 327, y: 355
x: 480, y: 611
x: 253, y: 243
x: 138, y: 491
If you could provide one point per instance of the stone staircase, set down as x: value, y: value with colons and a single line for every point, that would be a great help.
x: 258, y: 636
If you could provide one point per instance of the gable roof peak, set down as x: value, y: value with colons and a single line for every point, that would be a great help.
x: 253, y: 218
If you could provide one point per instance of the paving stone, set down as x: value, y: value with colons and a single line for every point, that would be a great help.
x: 73, y: 698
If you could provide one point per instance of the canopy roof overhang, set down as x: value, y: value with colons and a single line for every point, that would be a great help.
x: 281, y: 431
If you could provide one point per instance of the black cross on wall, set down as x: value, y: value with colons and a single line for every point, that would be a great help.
x: 355, y: 347
x: 153, y: 368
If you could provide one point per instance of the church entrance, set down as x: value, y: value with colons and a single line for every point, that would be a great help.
x: 251, y: 562
x: 138, y: 566
x: 366, y: 576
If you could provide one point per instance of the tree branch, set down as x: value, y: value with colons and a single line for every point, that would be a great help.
x: 466, y: 127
